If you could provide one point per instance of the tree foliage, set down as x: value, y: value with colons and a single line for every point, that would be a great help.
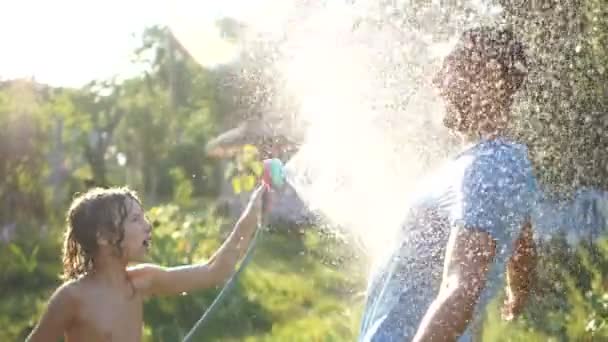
x: 563, y: 112
x: 149, y: 132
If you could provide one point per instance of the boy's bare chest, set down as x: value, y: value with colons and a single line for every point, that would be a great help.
x: 111, y: 317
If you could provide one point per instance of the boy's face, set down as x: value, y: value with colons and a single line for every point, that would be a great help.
x: 138, y: 233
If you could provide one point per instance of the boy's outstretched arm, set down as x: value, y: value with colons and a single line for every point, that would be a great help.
x: 56, y: 317
x: 157, y: 280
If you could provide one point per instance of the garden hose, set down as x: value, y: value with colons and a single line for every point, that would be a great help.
x: 273, y: 177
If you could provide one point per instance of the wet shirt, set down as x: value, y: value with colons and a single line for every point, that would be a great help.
x: 489, y: 187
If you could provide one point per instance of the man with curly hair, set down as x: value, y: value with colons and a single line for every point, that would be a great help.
x: 473, y: 216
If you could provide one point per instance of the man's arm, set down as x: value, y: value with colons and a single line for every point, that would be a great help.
x: 157, y: 280
x: 498, y: 191
x: 57, y: 316
x: 469, y: 255
x: 521, y: 273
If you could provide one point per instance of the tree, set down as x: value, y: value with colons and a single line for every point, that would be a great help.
x: 564, y: 109
x: 172, y: 112
x: 23, y: 167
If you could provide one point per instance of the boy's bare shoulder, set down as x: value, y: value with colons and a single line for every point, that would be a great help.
x: 67, y: 297
x: 70, y: 291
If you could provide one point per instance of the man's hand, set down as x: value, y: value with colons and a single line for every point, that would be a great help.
x: 469, y: 255
x: 521, y: 274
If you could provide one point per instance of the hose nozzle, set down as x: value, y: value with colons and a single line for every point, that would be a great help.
x: 274, y: 173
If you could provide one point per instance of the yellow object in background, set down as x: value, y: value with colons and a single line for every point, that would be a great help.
x: 247, y: 171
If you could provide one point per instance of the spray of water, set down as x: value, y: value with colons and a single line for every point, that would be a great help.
x: 372, y: 119
x: 367, y: 116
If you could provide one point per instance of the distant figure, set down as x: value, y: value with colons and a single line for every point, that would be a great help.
x: 471, y: 221
x: 102, y: 298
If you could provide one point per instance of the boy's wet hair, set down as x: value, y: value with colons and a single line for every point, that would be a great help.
x: 487, y: 60
x: 98, y: 212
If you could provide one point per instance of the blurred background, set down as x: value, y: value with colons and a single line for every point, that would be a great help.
x: 177, y: 100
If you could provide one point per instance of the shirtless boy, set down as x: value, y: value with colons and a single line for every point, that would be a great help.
x: 102, y: 297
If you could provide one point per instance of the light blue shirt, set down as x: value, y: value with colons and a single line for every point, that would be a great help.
x: 489, y: 187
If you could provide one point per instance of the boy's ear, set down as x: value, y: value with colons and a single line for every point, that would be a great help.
x: 103, y: 239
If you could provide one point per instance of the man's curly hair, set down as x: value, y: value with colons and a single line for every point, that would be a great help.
x: 481, y: 75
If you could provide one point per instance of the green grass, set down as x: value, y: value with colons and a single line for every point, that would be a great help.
x: 296, y: 296
x: 299, y: 287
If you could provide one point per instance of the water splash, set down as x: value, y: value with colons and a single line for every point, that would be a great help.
x: 367, y: 117
x: 372, y: 122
